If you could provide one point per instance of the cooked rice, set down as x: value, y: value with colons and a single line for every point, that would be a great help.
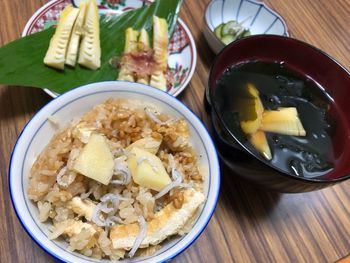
x: 53, y: 184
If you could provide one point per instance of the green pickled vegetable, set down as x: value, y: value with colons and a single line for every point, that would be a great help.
x: 231, y: 27
x: 227, y: 39
x: 218, y: 30
x: 231, y: 31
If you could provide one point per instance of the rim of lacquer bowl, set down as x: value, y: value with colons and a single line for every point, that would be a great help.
x: 218, y: 115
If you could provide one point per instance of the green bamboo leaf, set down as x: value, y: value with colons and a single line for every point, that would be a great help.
x: 21, y: 61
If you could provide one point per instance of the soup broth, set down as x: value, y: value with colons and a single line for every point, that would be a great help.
x: 306, y: 156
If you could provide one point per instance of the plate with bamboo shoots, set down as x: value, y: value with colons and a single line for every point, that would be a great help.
x: 92, y: 41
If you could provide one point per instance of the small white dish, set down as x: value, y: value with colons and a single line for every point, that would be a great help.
x: 182, y: 48
x: 72, y: 104
x: 255, y: 15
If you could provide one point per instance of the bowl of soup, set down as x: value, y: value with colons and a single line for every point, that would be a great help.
x: 279, y: 111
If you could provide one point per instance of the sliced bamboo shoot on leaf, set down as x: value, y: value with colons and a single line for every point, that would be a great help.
x: 283, y: 121
x: 56, y: 54
x: 143, y: 46
x: 143, y: 40
x: 259, y: 141
x: 143, y: 79
x: 130, y: 46
x: 160, y: 42
x: 73, y: 47
x: 126, y: 75
x: 254, y: 103
x: 130, y: 40
x: 158, y: 81
x: 90, y: 49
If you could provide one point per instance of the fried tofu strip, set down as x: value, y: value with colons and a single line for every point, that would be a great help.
x: 70, y: 227
x: 167, y: 222
x: 82, y: 207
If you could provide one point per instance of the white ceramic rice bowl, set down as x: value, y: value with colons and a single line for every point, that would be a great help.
x: 38, y: 132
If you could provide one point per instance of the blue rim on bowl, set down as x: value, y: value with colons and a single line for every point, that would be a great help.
x: 91, y: 90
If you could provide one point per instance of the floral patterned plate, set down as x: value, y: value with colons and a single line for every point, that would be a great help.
x: 182, y: 49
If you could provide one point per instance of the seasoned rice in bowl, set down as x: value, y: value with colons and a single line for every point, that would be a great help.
x: 59, y: 199
x: 74, y: 203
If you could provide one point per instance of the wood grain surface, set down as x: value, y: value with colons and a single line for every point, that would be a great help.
x: 250, y: 224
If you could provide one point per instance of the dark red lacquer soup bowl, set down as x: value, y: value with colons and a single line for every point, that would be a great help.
x: 311, y: 64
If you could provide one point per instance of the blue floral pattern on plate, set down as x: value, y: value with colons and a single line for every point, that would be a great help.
x: 257, y: 16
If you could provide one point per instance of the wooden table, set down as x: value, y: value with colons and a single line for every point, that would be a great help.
x: 249, y: 225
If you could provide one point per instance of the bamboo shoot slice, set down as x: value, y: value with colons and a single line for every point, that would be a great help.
x: 160, y: 42
x: 283, y: 121
x: 158, y: 81
x: 147, y: 169
x: 90, y: 49
x: 143, y: 45
x: 143, y: 80
x: 251, y: 126
x: 130, y: 40
x: 96, y: 160
x: 130, y: 46
x: 126, y: 75
x: 259, y: 141
x: 55, y: 55
x: 148, y: 144
x: 72, y: 51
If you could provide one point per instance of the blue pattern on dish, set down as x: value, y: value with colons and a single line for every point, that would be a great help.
x: 239, y: 9
x: 257, y: 16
